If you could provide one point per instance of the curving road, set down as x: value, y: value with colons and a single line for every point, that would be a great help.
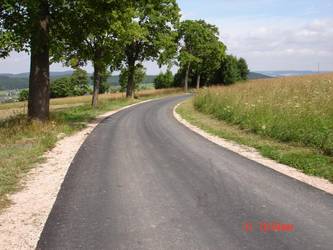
x: 143, y: 181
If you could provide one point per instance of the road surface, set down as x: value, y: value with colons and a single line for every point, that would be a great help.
x: 144, y: 181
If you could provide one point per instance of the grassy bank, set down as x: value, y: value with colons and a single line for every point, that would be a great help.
x: 289, y: 119
x: 22, y: 143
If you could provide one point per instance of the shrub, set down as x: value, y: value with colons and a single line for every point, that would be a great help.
x: 62, y: 87
x: 164, y: 80
x: 76, y: 85
x: 23, y: 95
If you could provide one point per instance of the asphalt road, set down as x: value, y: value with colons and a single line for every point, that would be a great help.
x: 143, y: 181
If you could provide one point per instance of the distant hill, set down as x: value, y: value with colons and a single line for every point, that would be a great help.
x: 255, y: 75
x: 21, y: 81
x: 290, y: 73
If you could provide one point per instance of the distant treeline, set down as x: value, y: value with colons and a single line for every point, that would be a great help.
x: 21, y: 81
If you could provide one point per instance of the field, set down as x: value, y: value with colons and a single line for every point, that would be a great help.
x: 294, y: 115
x: 12, y: 109
x: 22, y: 143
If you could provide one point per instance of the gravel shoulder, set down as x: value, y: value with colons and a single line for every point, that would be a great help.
x: 22, y: 222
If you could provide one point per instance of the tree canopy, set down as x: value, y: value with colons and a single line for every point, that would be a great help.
x: 151, y: 35
x: 200, y: 49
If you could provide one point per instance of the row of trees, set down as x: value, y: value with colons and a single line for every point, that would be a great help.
x: 107, y: 33
x: 111, y: 35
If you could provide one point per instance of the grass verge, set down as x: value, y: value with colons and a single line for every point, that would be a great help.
x: 23, y: 143
x: 306, y: 159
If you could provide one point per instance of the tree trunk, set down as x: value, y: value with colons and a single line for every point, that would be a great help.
x: 198, y: 81
x: 97, y: 84
x: 39, y: 79
x: 98, y: 68
x: 130, y: 80
x: 186, y: 78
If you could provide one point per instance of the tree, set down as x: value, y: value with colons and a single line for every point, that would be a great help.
x: 164, y: 80
x: 75, y: 85
x: 80, y: 82
x: 23, y: 95
x: 191, y: 36
x: 61, y: 87
x: 34, y: 26
x: 243, y: 69
x: 151, y: 35
x: 228, y: 72
x: 25, y: 26
x: 210, y: 52
x: 139, y: 76
x: 98, y: 27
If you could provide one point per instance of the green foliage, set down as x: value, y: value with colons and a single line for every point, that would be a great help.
x: 61, y: 87
x: 76, y: 85
x: 104, y: 85
x: 23, y: 95
x: 164, y: 80
x: 243, y: 69
x: 80, y: 83
x: 151, y: 34
x: 201, y: 51
x: 139, y: 76
x: 229, y: 71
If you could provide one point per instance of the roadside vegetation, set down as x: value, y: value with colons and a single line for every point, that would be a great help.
x: 23, y: 142
x: 287, y: 119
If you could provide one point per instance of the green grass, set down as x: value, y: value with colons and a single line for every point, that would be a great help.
x: 23, y: 143
x: 293, y: 110
x: 307, y: 159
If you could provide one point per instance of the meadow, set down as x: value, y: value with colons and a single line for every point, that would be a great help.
x: 23, y: 142
x: 288, y: 119
x: 293, y: 109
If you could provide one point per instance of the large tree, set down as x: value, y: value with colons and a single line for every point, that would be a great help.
x: 98, y: 28
x: 32, y: 26
x: 200, y: 49
x: 151, y: 36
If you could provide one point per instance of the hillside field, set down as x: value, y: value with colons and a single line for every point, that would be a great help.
x: 292, y: 111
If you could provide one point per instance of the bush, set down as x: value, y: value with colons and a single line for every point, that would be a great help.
x: 79, y: 80
x: 23, y: 95
x: 164, y: 80
x: 62, y: 87
x: 76, y: 85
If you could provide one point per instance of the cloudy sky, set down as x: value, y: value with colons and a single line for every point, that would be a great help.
x: 269, y: 34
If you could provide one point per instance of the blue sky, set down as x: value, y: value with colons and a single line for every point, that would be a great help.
x: 269, y: 34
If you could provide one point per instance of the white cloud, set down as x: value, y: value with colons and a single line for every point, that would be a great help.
x: 280, y: 44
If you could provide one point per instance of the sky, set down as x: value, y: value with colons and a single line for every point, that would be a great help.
x: 269, y: 34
